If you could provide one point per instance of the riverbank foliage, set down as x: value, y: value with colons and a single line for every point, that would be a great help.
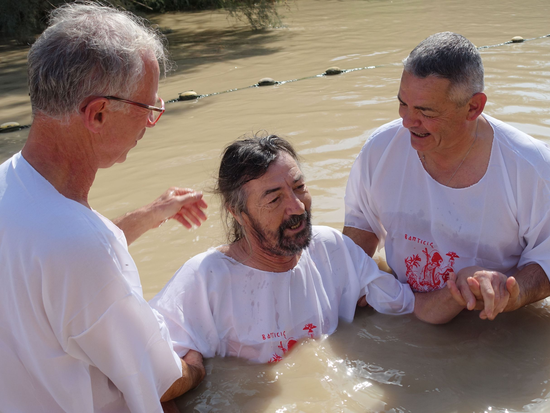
x: 22, y: 20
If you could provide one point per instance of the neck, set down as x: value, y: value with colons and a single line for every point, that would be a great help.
x: 59, y: 153
x: 254, y: 256
x: 463, y: 163
x: 449, y: 157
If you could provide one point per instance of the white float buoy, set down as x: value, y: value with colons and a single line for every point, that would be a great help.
x: 188, y: 95
x: 266, y: 81
x: 517, y: 39
x: 331, y: 71
x: 9, y: 125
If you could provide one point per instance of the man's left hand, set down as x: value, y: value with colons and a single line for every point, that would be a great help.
x: 182, y: 204
x: 478, y: 288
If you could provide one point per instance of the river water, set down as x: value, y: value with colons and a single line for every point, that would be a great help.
x: 377, y: 363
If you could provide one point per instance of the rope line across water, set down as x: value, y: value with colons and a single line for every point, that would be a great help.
x: 332, y: 71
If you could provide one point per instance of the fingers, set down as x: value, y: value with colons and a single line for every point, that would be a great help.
x: 512, y: 287
x: 193, y: 357
x: 468, y: 294
x: 182, y: 204
x: 191, y: 213
x: 487, y: 293
x: 453, y: 289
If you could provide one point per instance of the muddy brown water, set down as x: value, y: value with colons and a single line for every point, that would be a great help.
x: 377, y: 363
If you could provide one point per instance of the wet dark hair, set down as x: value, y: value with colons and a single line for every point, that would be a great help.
x: 243, y: 161
x: 449, y: 56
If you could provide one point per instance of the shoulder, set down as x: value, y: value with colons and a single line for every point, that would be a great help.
x: 385, y: 134
x: 517, y: 147
x: 325, y: 238
x: 381, y: 141
x: 198, y: 270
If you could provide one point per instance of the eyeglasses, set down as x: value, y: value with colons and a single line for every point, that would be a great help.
x: 155, y: 114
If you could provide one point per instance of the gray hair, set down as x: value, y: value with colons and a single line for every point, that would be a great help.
x: 243, y: 161
x: 89, y: 50
x: 450, y: 56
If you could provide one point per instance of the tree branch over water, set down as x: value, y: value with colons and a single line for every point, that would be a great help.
x: 23, y: 20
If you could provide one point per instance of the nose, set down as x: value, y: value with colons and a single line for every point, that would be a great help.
x: 410, y: 119
x: 295, y: 205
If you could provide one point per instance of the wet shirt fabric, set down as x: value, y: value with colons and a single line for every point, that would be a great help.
x: 501, y: 223
x: 218, y: 306
x: 76, y: 334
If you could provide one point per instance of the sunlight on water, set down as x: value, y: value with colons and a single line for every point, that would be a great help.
x: 377, y: 363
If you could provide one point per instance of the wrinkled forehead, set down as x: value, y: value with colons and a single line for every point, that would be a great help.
x: 283, y: 171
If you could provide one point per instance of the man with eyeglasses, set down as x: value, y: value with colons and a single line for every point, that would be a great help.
x: 76, y: 334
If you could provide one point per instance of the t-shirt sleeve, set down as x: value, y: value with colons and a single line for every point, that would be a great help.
x: 184, y: 305
x: 534, y: 222
x: 360, y: 208
x: 102, y: 321
x: 382, y: 290
x: 127, y: 345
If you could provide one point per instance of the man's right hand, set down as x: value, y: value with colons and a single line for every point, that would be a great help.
x: 194, y: 359
x: 193, y: 372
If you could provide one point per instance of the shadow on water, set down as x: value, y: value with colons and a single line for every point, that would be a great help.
x: 251, y: 387
x: 191, y: 49
x: 13, y: 68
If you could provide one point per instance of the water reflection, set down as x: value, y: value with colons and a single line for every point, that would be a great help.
x: 394, y: 364
x: 377, y: 363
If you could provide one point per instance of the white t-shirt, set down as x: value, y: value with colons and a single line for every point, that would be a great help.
x: 76, y: 334
x: 501, y: 223
x: 218, y: 306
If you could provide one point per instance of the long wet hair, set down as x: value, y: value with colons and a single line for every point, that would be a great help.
x: 449, y: 56
x: 243, y: 161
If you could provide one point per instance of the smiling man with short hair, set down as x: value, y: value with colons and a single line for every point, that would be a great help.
x: 447, y: 189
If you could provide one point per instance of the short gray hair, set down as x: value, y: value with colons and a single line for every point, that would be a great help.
x: 89, y: 50
x: 449, y: 56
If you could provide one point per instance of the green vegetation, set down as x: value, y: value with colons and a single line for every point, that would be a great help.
x: 22, y: 20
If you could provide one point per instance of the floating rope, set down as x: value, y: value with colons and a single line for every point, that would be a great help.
x: 331, y: 71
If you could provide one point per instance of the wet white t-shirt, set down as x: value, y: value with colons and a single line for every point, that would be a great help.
x: 501, y: 223
x: 76, y: 334
x: 218, y: 306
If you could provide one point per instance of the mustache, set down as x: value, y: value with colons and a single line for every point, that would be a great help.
x: 293, y: 220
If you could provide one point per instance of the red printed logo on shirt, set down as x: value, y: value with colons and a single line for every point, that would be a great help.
x: 310, y: 327
x: 433, y: 273
x: 285, y: 347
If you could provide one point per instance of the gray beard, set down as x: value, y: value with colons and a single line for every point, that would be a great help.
x: 284, y: 246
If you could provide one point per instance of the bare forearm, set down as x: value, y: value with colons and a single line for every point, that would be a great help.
x: 136, y: 223
x: 533, y: 286
x: 436, y: 307
x: 183, y: 204
x: 368, y: 241
x: 191, y: 377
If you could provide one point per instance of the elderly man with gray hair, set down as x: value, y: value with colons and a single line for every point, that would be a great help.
x: 76, y: 334
x: 455, y: 196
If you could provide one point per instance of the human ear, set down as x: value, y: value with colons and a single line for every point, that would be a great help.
x: 238, y: 217
x: 476, y: 105
x: 93, y: 114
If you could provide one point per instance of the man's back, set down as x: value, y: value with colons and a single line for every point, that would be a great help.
x: 67, y: 280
